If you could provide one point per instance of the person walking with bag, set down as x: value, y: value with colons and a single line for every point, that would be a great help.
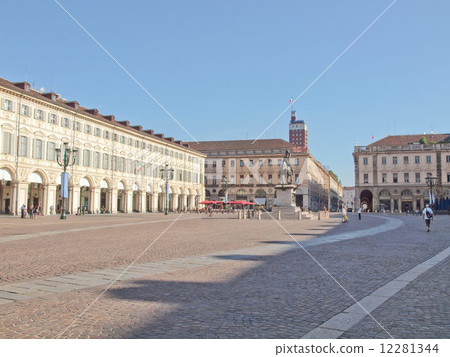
x: 359, y: 213
x: 427, y: 215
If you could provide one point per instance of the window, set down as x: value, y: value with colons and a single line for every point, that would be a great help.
x: 206, y: 180
x: 7, y: 105
x: 206, y: 164
x: 77, y: 155
x: 123, y: 139
x: 51, y: 153
x: 395, y: 177
x: 214, y: 164
x: 251, y: 180
x: 214, y: 180
x: 260, y: 162
x: 106, y: 134
x: 105, y: 161
x: 7, y: 143
x: 136, y: 144
x: 115, y: 137
x: 448, y: 176
x: 260, y: 180
x: 232, y: 163
x: 366, y: 178
x: 142, y: 145
x: 428, y: 159
x: 365, y: 161
x: 241, y: 163
x: 297, y: 161
x: 417, y: 177
x: 269, y: 179
x: 232, y: 180
x: 405, y: 160
x: 96, y: 159
x: 52, y: 118
x: 23, y: 146
x: 417, y: 159
x: 406, y: 177
x: 65, y: 122
x: 279, y: 162
x: 394, y: 160
x: 223, y: 163
x: 25, y: 110
x: 250, y: 162
x: 38, y: 114
x: 383, y: 160
x: 384, y: 178
x: 241, y: 179
x: 270, y: 162
x: 37, y: 149
x: 77, y: 126
x: 87, y: 158
x: 88, y: 129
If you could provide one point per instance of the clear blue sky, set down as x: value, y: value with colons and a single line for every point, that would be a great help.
x: 226, y: 69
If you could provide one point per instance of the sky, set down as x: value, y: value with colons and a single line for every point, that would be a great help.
x: 226, y: 69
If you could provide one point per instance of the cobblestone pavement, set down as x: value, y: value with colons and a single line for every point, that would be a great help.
x: 258, y: 283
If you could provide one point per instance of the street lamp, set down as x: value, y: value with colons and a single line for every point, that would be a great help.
x: 65, y: 157
x: 167, y: 174
x: 431, y: 181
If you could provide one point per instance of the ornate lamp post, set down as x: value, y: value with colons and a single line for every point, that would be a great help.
x: 430, y: 182
x: 168, y: 176
x: 65, y: 157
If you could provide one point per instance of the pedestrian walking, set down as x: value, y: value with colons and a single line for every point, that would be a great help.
x: 359, y: 213
x: 23, y: 211
x: 344, y: 215
x: 427, y: 215
x: 31, y: 212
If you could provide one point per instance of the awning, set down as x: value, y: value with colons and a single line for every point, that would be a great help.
x: 260, y: 201
x: 84, y: 182
x: 5, y: 175
x: 35, y: 178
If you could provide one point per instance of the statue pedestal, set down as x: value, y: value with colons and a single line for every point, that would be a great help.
x: 285, y: 201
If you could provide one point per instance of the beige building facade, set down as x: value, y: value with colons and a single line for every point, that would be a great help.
x: 118, y: 167
x: 252, y: 169
x: 391, y: 174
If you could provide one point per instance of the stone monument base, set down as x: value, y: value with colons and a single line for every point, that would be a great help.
x: 285, y: 202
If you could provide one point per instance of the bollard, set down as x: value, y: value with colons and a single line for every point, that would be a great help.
x: 318, y: 217
x: 259, y: 215
x: 239, y: 214
x: 279, y: 215
x: 299, y: 215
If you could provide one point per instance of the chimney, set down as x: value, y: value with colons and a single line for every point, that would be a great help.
x: 160, y: 136
x: 149, y: 131
x: 109, y: 117
x: 124, y: 122
x: 137, y: 127
x: 170, y: 139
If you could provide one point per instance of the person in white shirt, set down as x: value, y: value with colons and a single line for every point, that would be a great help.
x: 344, y: 214
x: 427, y: 215
x: 359, y: 212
